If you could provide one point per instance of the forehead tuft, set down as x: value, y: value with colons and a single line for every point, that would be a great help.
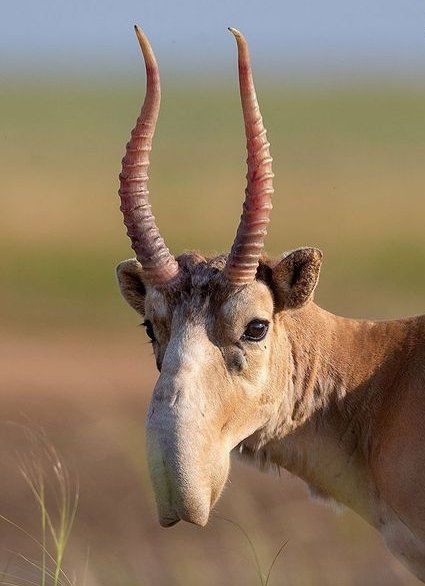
x: 203, y: 284
x: 201, y: 280
x: 200, y: 272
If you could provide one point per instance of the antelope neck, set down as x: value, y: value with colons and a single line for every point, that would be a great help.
x: 337, y: 370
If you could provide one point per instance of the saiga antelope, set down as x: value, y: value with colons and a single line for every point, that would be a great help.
x: 250, y: 364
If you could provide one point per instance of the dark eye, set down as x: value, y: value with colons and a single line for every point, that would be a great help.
x: 256, y: 330
x: 149, y: 330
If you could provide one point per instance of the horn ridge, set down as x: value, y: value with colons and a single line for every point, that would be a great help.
x: 242, y: 263
x: 159, y: 264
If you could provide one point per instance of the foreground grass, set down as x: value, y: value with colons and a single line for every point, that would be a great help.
x: 263, y: 577
x: 55, y: 493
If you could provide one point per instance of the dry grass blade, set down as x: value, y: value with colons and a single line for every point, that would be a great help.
x: 18, y: 578
x: 48, y: 572
x: 86, y: 567
x: 46, y: 474
x: 276, y: 557
x: 56, y: 495
x: 250, y: 543
x: 263, y: 581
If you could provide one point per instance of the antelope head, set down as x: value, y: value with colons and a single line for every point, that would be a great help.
x: 215, y: 323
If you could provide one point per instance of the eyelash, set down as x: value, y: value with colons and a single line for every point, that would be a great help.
x: 147, y: 324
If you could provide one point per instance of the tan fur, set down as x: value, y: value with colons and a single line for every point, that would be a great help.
x: 338, y: 402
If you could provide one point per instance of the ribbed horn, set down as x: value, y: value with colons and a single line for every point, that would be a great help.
x: 159, y: 265
x: 242, y: 262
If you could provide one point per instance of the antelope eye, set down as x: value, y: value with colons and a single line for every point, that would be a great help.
x: 256, y: 330
x: 149, y: 330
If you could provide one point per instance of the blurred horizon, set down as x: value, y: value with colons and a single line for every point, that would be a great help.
x: 299, y: 39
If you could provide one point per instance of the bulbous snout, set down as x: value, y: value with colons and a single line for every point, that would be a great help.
x: 188, y: 451
x: 188, y: 470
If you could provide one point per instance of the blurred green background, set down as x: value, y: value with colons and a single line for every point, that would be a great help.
x: 349, y: 162
x: 349, y: 174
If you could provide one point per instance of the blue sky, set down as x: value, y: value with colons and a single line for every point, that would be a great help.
x: 310, y: 36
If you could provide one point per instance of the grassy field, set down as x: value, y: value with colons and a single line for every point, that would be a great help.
x: 350, y: 172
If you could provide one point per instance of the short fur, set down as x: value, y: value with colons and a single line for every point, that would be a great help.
x: 338, y: 402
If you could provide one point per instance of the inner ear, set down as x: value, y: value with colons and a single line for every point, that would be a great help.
x: 130, y: 279
x: 294, y: 278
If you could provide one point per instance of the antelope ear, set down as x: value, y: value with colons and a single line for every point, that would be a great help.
x: 130, y: 279
x: 295, y: 276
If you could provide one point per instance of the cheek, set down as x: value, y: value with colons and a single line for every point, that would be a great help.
x: 249, y: 368
x: 258, y: 371
x: 250, y: 374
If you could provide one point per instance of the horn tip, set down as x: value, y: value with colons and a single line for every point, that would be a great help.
x: 140, y: 35
x: 234, y: 31
x: 145, y: 46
